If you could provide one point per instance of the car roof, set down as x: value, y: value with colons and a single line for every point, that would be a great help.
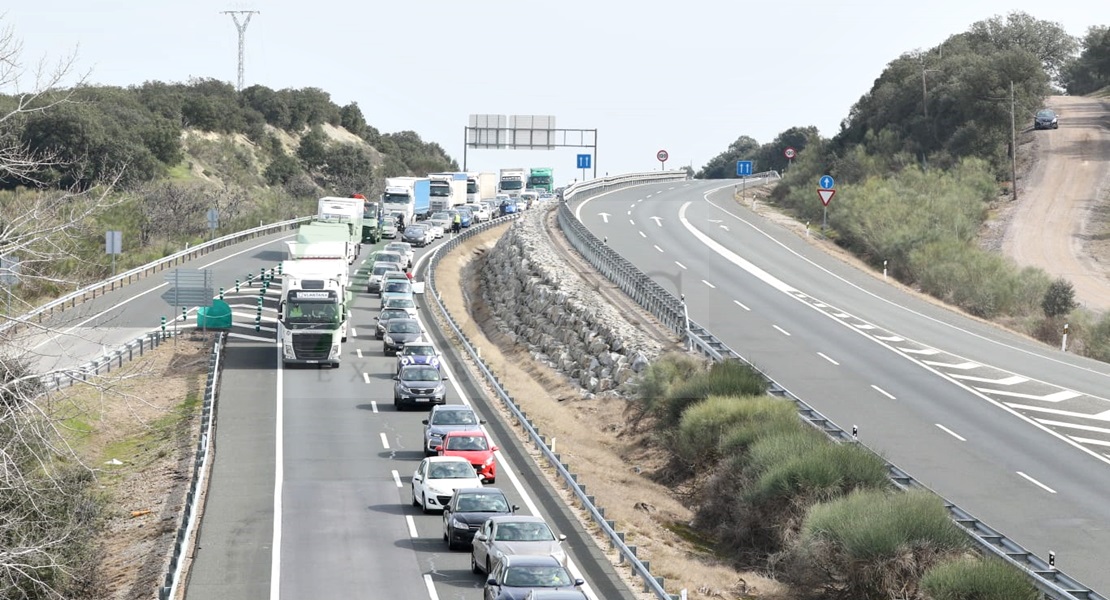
x: 517, y: 518
x: 408, y: 319
x: 528, y: 560
x: 552, y: 594
x: 481, y: 490
x: 439, y: 459
x: 440, y: 407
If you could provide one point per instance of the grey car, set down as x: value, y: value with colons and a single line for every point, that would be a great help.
x: 396, y: 288
x: 418, y: 235
x: 377, y: 271
x: 386, y: 316
x: 402, y: 248
x: 418, y: 385
x: 516, y: 534
x: 445, y: 419
x: 515, y: 576
x: 1046, y: 119
x: 399, y: 332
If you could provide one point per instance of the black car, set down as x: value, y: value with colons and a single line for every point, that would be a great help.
x: 399, y: 332
x: 1046, y: 119
x: 417, y: 235
x: 468, y: 510
x: 419, y: 385
x: 516, y: 575
x: 385, y: 317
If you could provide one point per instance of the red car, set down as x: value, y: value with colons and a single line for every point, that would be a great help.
x: 473, y: 446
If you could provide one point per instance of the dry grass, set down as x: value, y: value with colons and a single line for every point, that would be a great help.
x: 594, y: 438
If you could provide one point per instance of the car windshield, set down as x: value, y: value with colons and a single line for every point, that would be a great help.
x: 400, y: 303
x: 398, y: 286
x: 451, y: 470
x: 404, y: 326
x: 454, y: 417
x: 537, y: 577
x: 467, y: 443
x: 441, y: 216
x: 392, y: 257
x: 419, y: 350
x: 523, y: 532
x: 420, y: 374
x: 396, y: 248
x: 494, y: 503
x: 392, y: 313
x: 383, y: 269
x: 1048, y: 114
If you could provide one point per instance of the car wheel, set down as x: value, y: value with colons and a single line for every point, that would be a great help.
x: 397, y: 405
x: 491, y: 480
x: 474, y: 565
x: 424, y: 503
x: 415, y: 502
x: 489, y: 567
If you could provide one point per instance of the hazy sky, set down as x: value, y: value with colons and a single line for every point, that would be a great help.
x: 689, y: 77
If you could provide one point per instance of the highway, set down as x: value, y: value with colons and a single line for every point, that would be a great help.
x: 1012, y: 431
x: 310, y: 496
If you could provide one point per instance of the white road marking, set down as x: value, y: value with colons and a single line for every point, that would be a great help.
x: 604, y: 217
x: 824, y: 356
x: 658, y: 248
x: 374, y: 406
x: 820, y: 305
x: 741, y: 305
x: 680, y: 265
x: 862, y: 326
x: 1037, y: 483
x: 889, y: 338
x: 1012, y: 380
x: 358, y: 352
x: 629, y: 213
x: 1083, y: 440
x: 397, y: 478
x: 961, y: 366
x: 951, y: 433
x: 412, y: 527
x: 841, y: 315
x: 883, y: 392
x: 630, y: 221
x: 1102, y: 416
x: 920, y: 351
x: 643, y: 235
x: 279, y: 479
x: 1054, y: 397
x: 385, y: 441
x: 725, y: 227
x: 1075, y: 426
x: 781, y: 330
x: 709, y: 284
x: 658, y: 220
x: 354, y: 332
x: 366, y: 377
x: 631, y: 206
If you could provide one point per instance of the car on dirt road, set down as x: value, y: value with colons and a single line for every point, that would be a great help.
x: 1046, y: 119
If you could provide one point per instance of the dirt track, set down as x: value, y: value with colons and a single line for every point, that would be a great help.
x: 1062, y: 221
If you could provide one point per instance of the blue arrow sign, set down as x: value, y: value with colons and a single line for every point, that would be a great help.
x: 743, y: 168
x: 584, y: 161
x: 826, y: 182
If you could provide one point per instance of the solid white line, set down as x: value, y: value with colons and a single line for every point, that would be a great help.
x: 358, y: 351
x: 279, y: 479
x: 709, y: 284
x: 385, y: 441
x: 643, y: 235
x: 738, y: 303
x: 397, y: 478
x: 374, y: 406
x: 1075, y: 426
x: 366, y: 377
x: 1053, y: 397
x: 412, y: 527
x: 1037, y: 483
x: 1012, y: 380
x: 883, y: 392
x: 1093, y: 442
x: 681, y: 266
x: 961, y: 366
x: 658, y: 248
x: 781, y: 330
x: 822, y: 355
x: 951, y: 433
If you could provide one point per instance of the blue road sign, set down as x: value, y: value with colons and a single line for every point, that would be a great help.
x: 826, y: 182
x: 743, y: 168
x: 584, y: 161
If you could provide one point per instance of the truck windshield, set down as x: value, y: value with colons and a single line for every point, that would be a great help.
x: 440, y: 190
x: 471, y: 187
x: 539, y: 180
x: 397, y: 199
x: 515, y: 184
x: 312, y: 315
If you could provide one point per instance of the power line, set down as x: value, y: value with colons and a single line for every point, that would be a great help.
x: 242, y: 27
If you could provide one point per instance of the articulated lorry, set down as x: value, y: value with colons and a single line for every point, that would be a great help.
x: 448, y: 191
x: 541, y: 178
x: 343, y: 210
x: 512, y: 181
x: 371, y: 220
x: 410, y: 196
x: 330, y: 231
x: 313, y: 316
x: 481, y: 186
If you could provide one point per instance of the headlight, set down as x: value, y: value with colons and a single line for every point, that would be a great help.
x: 438, y: 492
x: 489, y: 461
x: 457, y: 524
x: 334, y: 351
x: 388, y: 339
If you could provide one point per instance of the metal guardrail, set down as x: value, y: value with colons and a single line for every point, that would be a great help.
x: 616, y: 539
x: 671, y: 311
x: 91, y: 291
x: 58, y: 379
x: 200, y: 474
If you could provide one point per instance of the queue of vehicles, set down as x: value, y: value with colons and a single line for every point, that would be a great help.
x: 518, y: 556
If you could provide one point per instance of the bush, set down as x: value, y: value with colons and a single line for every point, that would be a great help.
x: 654, y: 385
x: 826, y: 471
x: 705, y: 425
x: 725, y: 378
x: 1098, y: 340
x: 765, y: 417
x: 776, y: 448
x: 976, y: 579
x: 1059, y: 299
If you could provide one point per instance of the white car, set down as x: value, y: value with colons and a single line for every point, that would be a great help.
x: 437, y: 478
x: 480, y: 211
x: 402, y: 248
x: 442, y: 219
x: 436, y: 231
x: 405, y: 303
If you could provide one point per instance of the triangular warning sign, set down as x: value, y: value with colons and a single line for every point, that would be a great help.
x: 825, y: 195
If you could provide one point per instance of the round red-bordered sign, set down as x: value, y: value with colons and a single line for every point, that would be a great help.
x: 789, y: 153
x: 662, y: 156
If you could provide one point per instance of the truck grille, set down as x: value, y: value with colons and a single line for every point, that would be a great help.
x: 312, y: 346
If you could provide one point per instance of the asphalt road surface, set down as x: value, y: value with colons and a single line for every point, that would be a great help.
x: 1012, y: 431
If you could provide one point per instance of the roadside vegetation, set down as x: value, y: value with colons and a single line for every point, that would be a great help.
x: 778, y: 496
x: 918, y: 170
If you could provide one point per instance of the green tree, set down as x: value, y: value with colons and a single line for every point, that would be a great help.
x: 313, y: 150
x: 723, y: 166
x: 351, y: 119
x: 1045, y: 40
x: 1090, y: 71
x: 1059, y: 300
x: 281, y: 169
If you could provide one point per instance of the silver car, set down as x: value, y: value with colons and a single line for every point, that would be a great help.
x: 377, y: 271
x: 515, y: 534
x: 404, y: 249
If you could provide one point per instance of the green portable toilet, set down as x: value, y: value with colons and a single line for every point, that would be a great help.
x: 217, y: 316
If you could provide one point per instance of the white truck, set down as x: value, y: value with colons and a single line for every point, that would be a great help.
x: 448, y: 190
x: 512, y: 181
x: 313, y: 316
x: 480, y: 186
x: 408, y: 196
x: 331, y: 231
x: 344, y: 210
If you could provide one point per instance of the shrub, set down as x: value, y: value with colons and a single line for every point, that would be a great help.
x: 1059, y: 298
x: 654, y: 385
x: 976, y: 579
x: 1098, y: 340
x: 705, y: 425
x: 765, y: 417
x: 778, y: 447
x: 824, y: 472
x: 725, y: 378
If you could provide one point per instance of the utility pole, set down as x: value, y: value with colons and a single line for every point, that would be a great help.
x: 242, y: 27
x: 1013, y: 142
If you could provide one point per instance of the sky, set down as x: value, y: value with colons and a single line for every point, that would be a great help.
x: 686, y: 77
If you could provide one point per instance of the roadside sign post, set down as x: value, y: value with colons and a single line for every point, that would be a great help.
x: 584, y: 163
x: 743, y: 171
x: 825, y: 192
x: 113, y: 245
x: 662, y: 157
x: 789, y: 153
x: 213, y: 216
x: 9, y: 277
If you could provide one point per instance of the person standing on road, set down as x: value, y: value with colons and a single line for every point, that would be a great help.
x: 456, y: 223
